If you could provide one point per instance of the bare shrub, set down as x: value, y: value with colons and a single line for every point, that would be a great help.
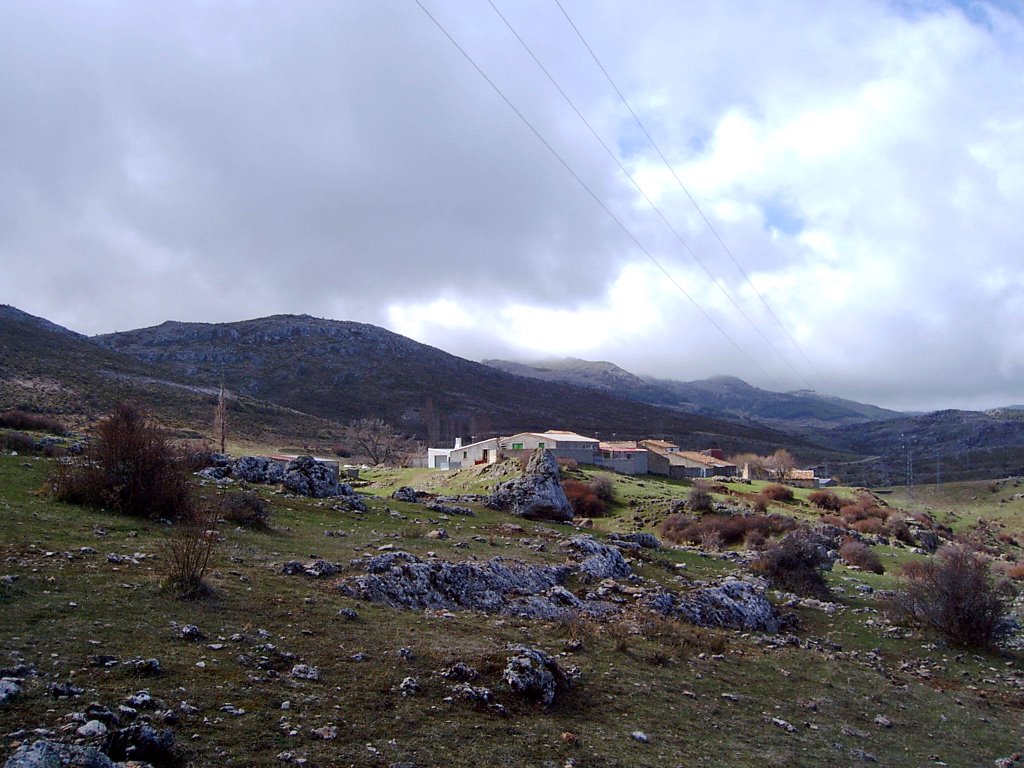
x: 728, y: 530
x: 699, y: 499
x: 952, y: 593
x: 189, y: 548
x: 858, y: 553
x: 248, y: 510
x: 711, y: 540
x: 129, y: 467
x: 19, y: 442
x: 1016, y: 571
x: 827, y: 500
x: 567, y: 465
x: 682, y: 639
x: 755, y: 540
x: 603, y: 489
x: 35, y: 422
x: 760, y: 505
x: 869, y: 525
x: 795, y: 564
x: 584, y: 501
x: 776, y: 492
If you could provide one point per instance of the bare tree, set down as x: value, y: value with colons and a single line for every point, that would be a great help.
x: 220, y: 418
x: 779, y: 464
x: 378, y: 441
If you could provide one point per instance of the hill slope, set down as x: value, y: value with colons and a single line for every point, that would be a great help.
x: 345, y: 370
x: 45, y: 367
x: 720, y: 396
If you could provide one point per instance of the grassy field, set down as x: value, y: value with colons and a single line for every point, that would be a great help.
x: 703, y: 697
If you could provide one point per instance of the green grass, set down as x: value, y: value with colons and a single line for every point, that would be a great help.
x: 652, y: 680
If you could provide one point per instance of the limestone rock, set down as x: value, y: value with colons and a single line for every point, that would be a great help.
x: 734, y: 604
x: 600, y: 561
x: 142, y: 742
x: 537, y: 493
x: 52, y: 754
x: 257, y: 469
x: 645, y: 540
x: 308, y: 477
x: 534, y: 674
x: 8, y: 690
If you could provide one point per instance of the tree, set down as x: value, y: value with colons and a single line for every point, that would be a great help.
x: 378, y: 441
x: 220, y: 418
x: 751, y: 460
x: 779, y: 464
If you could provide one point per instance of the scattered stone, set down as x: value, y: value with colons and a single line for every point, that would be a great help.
x: 440, y: 533
x: 360, y: 656
x: 305, y: 672
x: 410, y: 686
x: 142, y: 700
x: 645, y: 540
x: 118, y: 559
x: 349, y: 614
x: 257, y: 469
x: 145, y: 667
x: 537, y: 493
x: 317, y: 569
x: 783, y: 724
x: 103, y: 661
x: 8, y: 690
x: 327, y: 732
x: 64, y: 689
x: 473, y: 694
x: 405, y: 653
x: 533, y: 673
x: 450, y: 509
x: 192, y: 632
x: 640, y: 736
x: 231, y: 709
x: 461, y: 672
x: 883, y: 721
x: 410, y: 495
x: 92, y: 730
x: 98, y: 712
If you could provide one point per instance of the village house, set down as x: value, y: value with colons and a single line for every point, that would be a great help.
x: 625, y: 457
x: 669, y: 460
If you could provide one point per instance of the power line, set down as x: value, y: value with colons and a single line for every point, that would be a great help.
x: 640, y: 189
x: 589, y: 191
x: 682, y: 186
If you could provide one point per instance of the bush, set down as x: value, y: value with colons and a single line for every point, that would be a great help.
x: 795, y: 564
x: 728, y: 530
x: 584, y: 501
x: 826, y: 500
x: 1016, y: 571
x: 19, y: 442
x: 129, y: 467
x: 699, y: 500
x: 603, y: 489
x: 859, y: 554
x: 567, y: 464
x: 189, y: 549
x: 35, y: 422
x: 776, y: 492
x: 869, y: 525
x: 953, y: 594
x: 248, y: 510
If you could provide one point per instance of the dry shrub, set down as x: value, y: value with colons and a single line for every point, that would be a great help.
x: 858, y: 553
x: 567, y: 465
x: 1016, y: 571
x: 954, y: 594
x: 35, y: 422
x: 897, y: 528
x: 584, y: 501
x: 827, y: 500
x: 835, y: 520
x: 248, y: 510
x: 1007, y: 539
x: 776, y: 492
x: 699, y: 499
x: 760, y: 506
x: 129, y: 467
x: 18, y: 442
x: 869, y: 525
x: 755, y: 540
x: 795, y: 564
x: 189, y: 549
x: 603, y: 489
x: 711, y: 540
x: 682, y: 639
x: 728, y: 530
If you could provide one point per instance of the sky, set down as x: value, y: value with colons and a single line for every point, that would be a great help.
x: 833, y: 199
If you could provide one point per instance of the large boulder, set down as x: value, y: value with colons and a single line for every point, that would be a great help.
x: 535, y: 675
x: 54, y: 754
x: 537, y: 493
x: 257, y: 469
x: 308, y: 477
x: 599, y: 561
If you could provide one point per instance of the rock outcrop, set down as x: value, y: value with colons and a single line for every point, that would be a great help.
x: 54, y: 754
x: 537, y: 493
x: 306, y: 476
x: 599, y: 560
x: 257, y: 469
x: 733, y: 604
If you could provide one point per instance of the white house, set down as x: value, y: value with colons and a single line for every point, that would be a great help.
x: 474, y: 454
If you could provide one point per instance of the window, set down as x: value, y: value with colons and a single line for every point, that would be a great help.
x: 465, y: 454
x: 517, y: 446
x: 540, y: 445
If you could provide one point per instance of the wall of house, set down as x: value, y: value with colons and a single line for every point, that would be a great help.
x: 624, y: 462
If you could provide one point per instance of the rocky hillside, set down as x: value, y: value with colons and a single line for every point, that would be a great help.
x: 720, y: 396
x: 944, y: 445
x: 47, y: 368
x: 346, y: 370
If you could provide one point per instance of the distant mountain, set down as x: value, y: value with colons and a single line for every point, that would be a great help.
x: 944, y: 445
x: 344, y: 370
x: 719, y: 396
x: 47, y: 368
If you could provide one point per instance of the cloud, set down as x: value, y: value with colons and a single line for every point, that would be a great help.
x: 865, y: 167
